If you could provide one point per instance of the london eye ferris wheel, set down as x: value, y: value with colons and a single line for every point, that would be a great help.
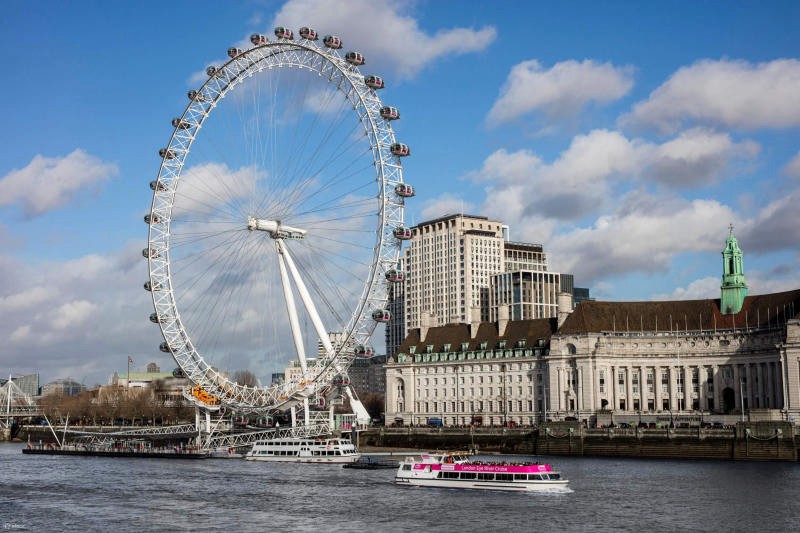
x: 277, y: 220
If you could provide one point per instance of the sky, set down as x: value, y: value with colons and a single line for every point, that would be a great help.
x: 624, y: 137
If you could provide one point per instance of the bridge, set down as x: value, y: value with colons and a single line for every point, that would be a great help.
x: 14, y: 403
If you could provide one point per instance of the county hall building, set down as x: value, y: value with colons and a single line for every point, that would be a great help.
x: 609, y: 362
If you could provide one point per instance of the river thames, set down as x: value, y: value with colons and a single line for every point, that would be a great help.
x: 56, y: 493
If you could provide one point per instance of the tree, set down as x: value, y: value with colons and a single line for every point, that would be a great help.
x: 374, y: 404
x: 245, y: 377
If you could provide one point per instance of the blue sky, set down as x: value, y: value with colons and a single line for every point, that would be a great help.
x: 625, y: 137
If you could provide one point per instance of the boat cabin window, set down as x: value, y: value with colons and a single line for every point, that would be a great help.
x: 504, y: 477
x: 467, y: 475
x: 555, y: 476
x: 406, y: 467
x: 485, y: 476
x: 520, y: 477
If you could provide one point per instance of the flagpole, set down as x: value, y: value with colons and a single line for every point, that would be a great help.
x: 128, y: 380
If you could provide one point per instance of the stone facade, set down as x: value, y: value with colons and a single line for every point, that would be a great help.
x: 682, y: 360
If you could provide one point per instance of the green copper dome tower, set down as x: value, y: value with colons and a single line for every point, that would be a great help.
x: 734, y: 288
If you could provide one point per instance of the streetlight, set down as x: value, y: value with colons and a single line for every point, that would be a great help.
x: 505, y: 403
x: 741, y: 395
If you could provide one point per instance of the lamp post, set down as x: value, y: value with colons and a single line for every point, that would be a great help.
x: 741, y: 395
x: 503, y: 394
x: 457, y: 411
x: 128, y: 379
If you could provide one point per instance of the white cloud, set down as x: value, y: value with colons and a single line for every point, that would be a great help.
x: 775, y: 226
x: 72, y: 314
x: 699, y: 289
x: 50, y: 182
x: 82, y: 315
x: 792, y: 168
x: 696, y: 157
x: 389, y: 39
x: 758, y: 282
x: 734, y: 94
x: 560, y: 91
x: 574, y: 185
x: 31, y: 297
x: 445, y: 204
x: 643, y: 235
x: 596, y: 168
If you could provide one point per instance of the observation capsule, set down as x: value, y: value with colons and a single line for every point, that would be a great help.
x: 149, y: 254
x: 381, y: 315
x: 364, y: 350
x: 374, y: 82
x: 354, y: 58
x: 180, y: 124
x: 258, y: 39
x: 390, y: 113
x: 309, y: 33
x: 196, y: 96
x: 154, y: 185
x: 164, y: 347
x: 332, y: 41
x: 149, y: 218
x: 214, y: 71
x: 395, y: 275
x: 404, y: 189
x: 178, y: 373
x: 341, y: 380
x: 400, y: 149
x: 150, y: 288
x: 166, y: 153
x: 402, y: 233
x: 284, y: 33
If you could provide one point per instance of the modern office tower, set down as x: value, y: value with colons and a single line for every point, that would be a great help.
x: 526, y: 293
x: 396, y: 327
x: 449, y: 263
x: 450, y: 266
x: 29, y: 384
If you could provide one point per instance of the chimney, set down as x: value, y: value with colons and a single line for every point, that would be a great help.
x: 502, y: 319
x: 474, y: 321
x: 424, y: 325
x: 564, y: 307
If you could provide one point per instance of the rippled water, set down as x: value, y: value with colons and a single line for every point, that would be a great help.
x: 52, y: 493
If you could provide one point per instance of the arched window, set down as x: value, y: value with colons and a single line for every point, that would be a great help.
x: 571, y: 350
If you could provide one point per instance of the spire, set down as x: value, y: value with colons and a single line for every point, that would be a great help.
x: 733, y: 288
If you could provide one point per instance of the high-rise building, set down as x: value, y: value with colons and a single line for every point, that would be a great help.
x: 527, y: 294
x: 450, y: 268
x: 29, y: 384
x: 396, y: 328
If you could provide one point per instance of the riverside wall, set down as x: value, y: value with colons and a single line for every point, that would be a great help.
x: 747, y: 441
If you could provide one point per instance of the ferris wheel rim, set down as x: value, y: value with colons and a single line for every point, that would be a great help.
x: 390, y: 215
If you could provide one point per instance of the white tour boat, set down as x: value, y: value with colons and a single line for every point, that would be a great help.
x: 453, y: 470
x: 298, y: 450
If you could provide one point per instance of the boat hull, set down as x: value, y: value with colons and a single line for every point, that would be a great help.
x: 509, y: 486
x: 324, y: 460
x: 297, y: 450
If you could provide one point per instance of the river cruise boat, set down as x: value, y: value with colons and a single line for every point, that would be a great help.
x: 453, y: 470
x: 297, y: 450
